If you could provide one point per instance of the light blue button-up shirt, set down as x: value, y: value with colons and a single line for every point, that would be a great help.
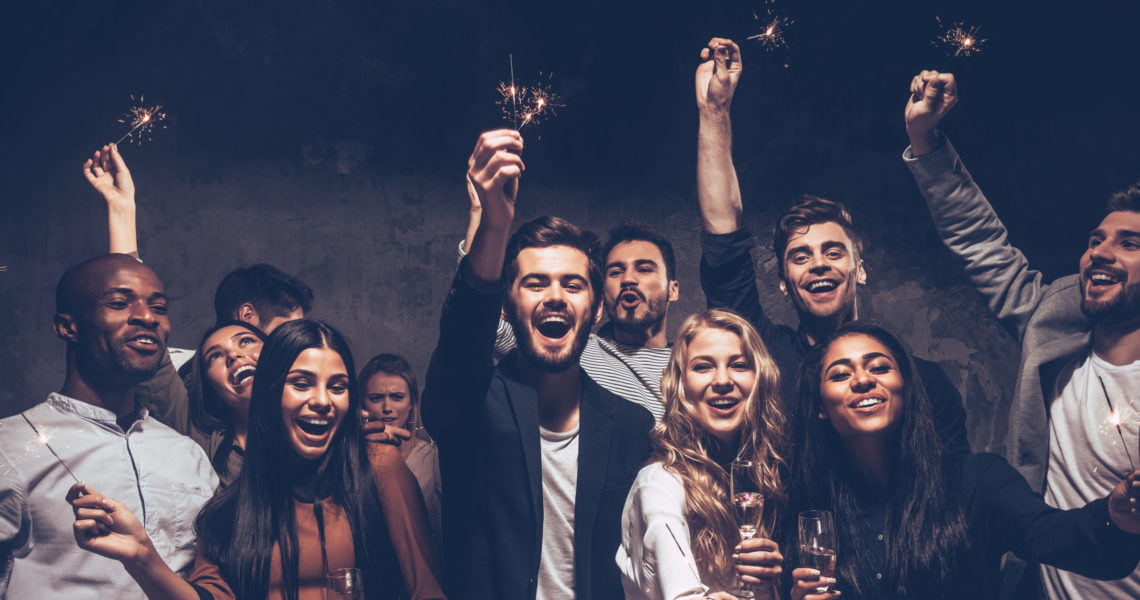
x: 162, y: 476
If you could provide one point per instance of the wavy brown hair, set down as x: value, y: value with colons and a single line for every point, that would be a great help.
x: 682, y: 444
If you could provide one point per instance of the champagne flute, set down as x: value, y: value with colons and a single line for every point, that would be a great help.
x: 344, y: 584
x: 748, y: 506
x: 817, y: 544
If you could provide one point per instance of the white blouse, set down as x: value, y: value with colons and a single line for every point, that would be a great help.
x: 655, y: 558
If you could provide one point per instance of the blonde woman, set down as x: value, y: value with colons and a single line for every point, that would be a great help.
x: 679, y: 535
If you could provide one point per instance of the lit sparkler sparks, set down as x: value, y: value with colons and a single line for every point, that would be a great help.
x: 43, y: 439
x: 958, y: 39
x: 142, y: 120
x: 528, y: 104
x: 772, y: 36
x: 1115, y: 420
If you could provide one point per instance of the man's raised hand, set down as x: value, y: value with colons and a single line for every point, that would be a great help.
x: 932, y: 95
x: 493, y: 171
x: 718, y: 74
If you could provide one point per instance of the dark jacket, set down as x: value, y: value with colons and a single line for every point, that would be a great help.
x: 485, y: 421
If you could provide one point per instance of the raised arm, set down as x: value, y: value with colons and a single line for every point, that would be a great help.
x: 107, y: 172
x: 965, y: 221
x: 110, y: 529
x: 461, y: 366
x: 717, y: 188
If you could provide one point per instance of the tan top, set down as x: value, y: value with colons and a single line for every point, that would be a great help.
x: 407, y: 525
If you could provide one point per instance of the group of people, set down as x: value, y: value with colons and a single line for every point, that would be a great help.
x: 545, y: 460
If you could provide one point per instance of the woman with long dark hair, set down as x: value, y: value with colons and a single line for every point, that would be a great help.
x: 679, y: 533
x: 911, y: 520
x: 311, y: 498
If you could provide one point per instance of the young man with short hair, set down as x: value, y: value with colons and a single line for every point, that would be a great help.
x: 820, y: 257
x: 536, y: 457
x: 111, y: 312
x: 1080, y: 335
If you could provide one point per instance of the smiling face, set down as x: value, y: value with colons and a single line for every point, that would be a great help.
x: 718, y: 381
x: 821, y: 272
x: 229, y: 359
x: 637, y: 288
x: 861, y: 387
x: 386, y: 398
x: 550, y: 306
x: 315, y: 401
x: 121, y: 331
x: 1110, y: 269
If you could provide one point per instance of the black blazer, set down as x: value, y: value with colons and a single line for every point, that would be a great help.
x: 485, y: 421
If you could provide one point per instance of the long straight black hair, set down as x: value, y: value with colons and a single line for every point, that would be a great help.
x: 240, y: 526
x: 926, y: 536
x: 208, y: 412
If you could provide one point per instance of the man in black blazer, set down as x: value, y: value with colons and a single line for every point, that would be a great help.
x: 536, y: 459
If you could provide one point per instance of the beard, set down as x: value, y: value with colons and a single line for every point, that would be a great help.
x: 1120, y: 307
x: 538, y: 357
x: 101, y: 361
x: 627, y: 321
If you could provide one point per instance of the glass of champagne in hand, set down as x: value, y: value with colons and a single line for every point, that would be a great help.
x: 344, y: 584
x: 748, y: 506
x: 817, y: 544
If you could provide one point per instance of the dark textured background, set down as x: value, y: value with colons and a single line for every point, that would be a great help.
x: 330, y: 138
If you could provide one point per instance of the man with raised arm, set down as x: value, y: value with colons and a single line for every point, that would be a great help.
x: 630, y: 351
x: 536, y: 458
x: 816, y: 246
x: 1080, y: 335
x: 111, y: 312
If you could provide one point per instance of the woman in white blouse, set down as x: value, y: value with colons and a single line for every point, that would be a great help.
x: 679, y: 533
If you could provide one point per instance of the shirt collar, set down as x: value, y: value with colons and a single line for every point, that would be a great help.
x: 90, y: 411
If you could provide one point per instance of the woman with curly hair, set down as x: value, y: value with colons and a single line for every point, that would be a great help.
x: 679, y: 534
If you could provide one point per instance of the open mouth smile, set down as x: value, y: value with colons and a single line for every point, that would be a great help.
x: 1103, y: 277
x: 723, y: 405
x: 554, y: 326
x: 146, y: 343
x: 314, y: 430
x: 821, y: 286
x: 242, y: 375
x: 867, y: 403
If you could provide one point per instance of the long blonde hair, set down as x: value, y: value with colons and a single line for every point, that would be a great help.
x: 680, y: 443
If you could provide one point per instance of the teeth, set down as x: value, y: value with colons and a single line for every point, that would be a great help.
x: 145, y: 339
x: 555, y: 319
x: 822, y: 286
x: 865, y: 402
x: 1102, y: 278
x: 313, y: 421
x: 723, y: 402
x: 242, y: 374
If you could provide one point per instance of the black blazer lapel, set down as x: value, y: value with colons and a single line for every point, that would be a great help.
x: 595, y: 431
x: 524, y: 405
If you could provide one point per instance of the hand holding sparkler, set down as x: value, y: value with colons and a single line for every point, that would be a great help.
x: 1124, y: 504
x: 718, y: 75
x: 932, y: 95
x: 106, y: 527
x: 107, y: 172
x: 493, y: 170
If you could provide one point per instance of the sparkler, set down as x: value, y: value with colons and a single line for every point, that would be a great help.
x: 142, y: 120
x: 1115, y: 419
x: 537, y: 100
x: 772, y: 36
x: 688, y: 560
x: 43, y: 439
x: 958, y: 38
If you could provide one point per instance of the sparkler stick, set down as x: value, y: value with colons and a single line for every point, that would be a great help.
x: 1114, y: 419
x: 688, y: 560
x: 44, y: 440
x: 514, y: 93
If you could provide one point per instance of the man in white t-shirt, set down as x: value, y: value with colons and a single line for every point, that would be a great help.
x: 1074, y: 423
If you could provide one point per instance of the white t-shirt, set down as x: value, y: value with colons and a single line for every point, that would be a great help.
x: 559, y: 484
x: 1088, y: 458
